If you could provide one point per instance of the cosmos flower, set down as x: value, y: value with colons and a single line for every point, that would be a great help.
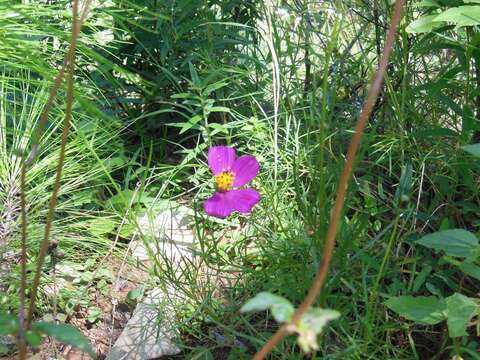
x: 231, y: 173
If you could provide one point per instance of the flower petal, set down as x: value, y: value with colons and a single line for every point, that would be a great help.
x: 220, y: 158
x: 219, y: 205
x: 243, y: 200
x: 245, y: 169
x: 222, y: 204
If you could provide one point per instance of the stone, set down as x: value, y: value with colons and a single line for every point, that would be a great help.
x: 7, y: 344
x: 149, y: 332
x: 167, y: 234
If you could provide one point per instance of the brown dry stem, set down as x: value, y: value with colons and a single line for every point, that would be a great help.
x: 56, y: 187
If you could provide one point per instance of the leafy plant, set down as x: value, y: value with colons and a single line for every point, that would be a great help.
x: 62, y: 332
x: 308, y: 327
x: 456, y: 309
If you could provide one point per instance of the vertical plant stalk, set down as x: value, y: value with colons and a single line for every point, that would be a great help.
x: 22, y: 346
x: 276, y: 83
x: 321, y: 275
x: 56, y: 186
x: 23, y: 174
x: 372, y: 303
x: 476, y: 56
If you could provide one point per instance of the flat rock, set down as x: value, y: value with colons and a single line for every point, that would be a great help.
x: 148, y: 334
x: 166, y: 234
x: 7, y: 344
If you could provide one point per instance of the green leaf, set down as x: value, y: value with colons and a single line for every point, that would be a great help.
x: 427, y: 4
x: 101, y: 225
x: 94, y: 314
x: 213, y: 87
x: 423, y: 24
x: 122, y: 199
x: 112, y: 163
x: 194, y: 75
x: 281, y: 308
x: 219, y: 109
x: 460, y: 309
x: 455, y: 242
x: 200, y: 353
x: 420, y: 279
x: 473, y: 149
x: 66, y: 334
x: 190, y: 123
x: 135, y: 293
x: 33, y: 339
x: 421, y: 309
x: 470, y: 269
x: 405, y: 184
x: 181, y: 96
x: 8, y: 325
x: 468, y: 15
x: 218, y: 128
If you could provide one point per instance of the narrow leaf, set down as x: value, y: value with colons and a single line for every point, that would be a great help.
x: 470, y: 269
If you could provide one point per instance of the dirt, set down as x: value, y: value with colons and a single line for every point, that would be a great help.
x: 116, y: 310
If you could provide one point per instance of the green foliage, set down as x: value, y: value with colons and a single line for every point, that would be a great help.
x: 457, y: 309
x: 308, y: 327
x: 94, y: 314
x: 473, y: 149
x: 66, y: 334
x: 422, y: 309
x: 460, y: 310
x: 281, y: 308
x: 455, y: 242
x: 8, y: 324
x: 460, y: 16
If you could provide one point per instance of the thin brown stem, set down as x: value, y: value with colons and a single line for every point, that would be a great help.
x: 22, y: 346
x: 322, y: 272
x: 56, y: 186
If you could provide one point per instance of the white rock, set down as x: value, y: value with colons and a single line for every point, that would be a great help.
x: 149, y: 332
x: 167, y: 235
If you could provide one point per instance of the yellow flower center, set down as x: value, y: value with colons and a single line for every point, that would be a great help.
x: 224, y: 181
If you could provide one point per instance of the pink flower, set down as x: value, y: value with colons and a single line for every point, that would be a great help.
x: 231, y: 173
